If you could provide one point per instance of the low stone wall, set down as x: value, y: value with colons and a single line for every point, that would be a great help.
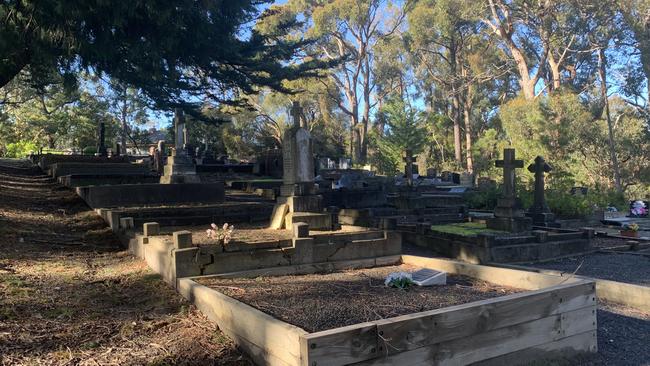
x: 81, y: 180
x: 60, y: 169
x: 353, y: 198
x: 226, y: 168
x: 44, y: 161
x: 227, y: 212
x: 487, y: 248
x: 132, y: 195
x: 175, y: 257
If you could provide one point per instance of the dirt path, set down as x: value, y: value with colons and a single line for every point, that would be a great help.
x: 70, y: 296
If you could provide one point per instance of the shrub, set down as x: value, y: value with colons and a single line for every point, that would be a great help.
x: 20, y: 149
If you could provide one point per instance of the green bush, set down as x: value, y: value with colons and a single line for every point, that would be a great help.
x: 483, y: 200
x: 89, y: 150
x: 20, y: 149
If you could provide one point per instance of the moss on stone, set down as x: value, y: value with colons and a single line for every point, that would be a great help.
x: 465, y: 229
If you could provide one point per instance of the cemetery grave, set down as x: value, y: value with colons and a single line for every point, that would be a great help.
x: 508, y: 236
x: 323, y: 301
x: 543, y: 319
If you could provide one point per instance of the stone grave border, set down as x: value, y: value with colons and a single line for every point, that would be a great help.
x: 555, y: 318
x: 174, y: 256
x: 488, y: 248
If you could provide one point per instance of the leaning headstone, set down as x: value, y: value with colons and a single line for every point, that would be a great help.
x: 539, y: 212
x: 179, y: 168
x: 509, y: 214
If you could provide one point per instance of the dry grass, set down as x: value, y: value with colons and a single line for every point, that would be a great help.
x: 70, y: 296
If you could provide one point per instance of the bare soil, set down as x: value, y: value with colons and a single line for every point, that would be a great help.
x: 69, y: 295
x: 319, y: 302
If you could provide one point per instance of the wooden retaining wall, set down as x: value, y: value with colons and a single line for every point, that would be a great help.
x: 556, y: 318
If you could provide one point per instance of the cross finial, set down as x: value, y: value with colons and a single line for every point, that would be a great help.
x: 539, y: 166
x: 296, y: 113
x: 509, y: 164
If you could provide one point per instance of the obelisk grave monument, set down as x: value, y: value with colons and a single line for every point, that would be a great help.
x: 179, y: 167
x: 509, y: 214
x: 298, y: 201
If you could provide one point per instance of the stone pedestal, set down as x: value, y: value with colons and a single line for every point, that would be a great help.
x: 509, y: 216
x: 179, y: 169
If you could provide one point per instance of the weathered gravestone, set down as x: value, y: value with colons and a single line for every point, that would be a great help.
x: 509, y: 214
x: 101, y: 143
x: 298, y: 191
x: 539, y: 212
x: 408, y: 166
x: 180, y: 168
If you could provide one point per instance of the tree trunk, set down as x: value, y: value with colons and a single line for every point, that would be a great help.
x: 124, y: 129
x: 555, y: 73
x: 467, y: 112
x: 458, y: 154
x: 602, y: 72
x: 455, y: 100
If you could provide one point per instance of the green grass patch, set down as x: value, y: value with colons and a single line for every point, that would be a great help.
x: 465, y: 229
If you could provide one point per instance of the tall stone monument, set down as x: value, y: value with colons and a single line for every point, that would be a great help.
x: 101, y: 143
x: 298, y: 201
x: 408, y: 166
x: 179, y: 167
x: 539, y: 212
x: 509, y: 214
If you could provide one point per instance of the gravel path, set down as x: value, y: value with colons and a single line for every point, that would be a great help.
x: 627, y: 268
x: 623, y: 337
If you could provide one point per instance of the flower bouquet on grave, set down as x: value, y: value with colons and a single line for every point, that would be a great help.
x: 400, y: 280
x: 630, y: 230
x: 222, y: 236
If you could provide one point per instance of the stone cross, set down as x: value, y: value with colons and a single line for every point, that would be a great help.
x: 101, y: 146
x: 539, y: 167
x: 408, y: 168
x: 509, y: 164
x: 180, y: 130
x: 296, y: 114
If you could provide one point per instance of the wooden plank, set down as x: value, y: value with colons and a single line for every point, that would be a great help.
x: 340, y: 346
x: 413, y: 331
x: 272, y: 340
x: 634, y: 296
x: 561, y: 351
x: 498, y: 342
x: 498, y: 275
x: 310, y: 268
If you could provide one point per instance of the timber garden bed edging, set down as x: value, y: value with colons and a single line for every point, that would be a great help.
x: 627, y: 294
x: 555, y: 317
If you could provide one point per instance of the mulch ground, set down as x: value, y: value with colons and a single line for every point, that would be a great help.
x: 325, y: 301
x: 69, y: 295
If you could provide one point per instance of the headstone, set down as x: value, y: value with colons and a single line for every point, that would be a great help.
x: 117, y: 149
x: 298, y: 190
x: 509, y: 214
x: 432, y: 173
x: 539, y: 212
x: 297, y: 152
x: 179, y: 167
x: 467, y: 179
x: 408, y: 166
x: 344, y: 163
x: 101, y: 144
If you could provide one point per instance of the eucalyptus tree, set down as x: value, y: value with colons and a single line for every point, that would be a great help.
x: 350, y: 30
